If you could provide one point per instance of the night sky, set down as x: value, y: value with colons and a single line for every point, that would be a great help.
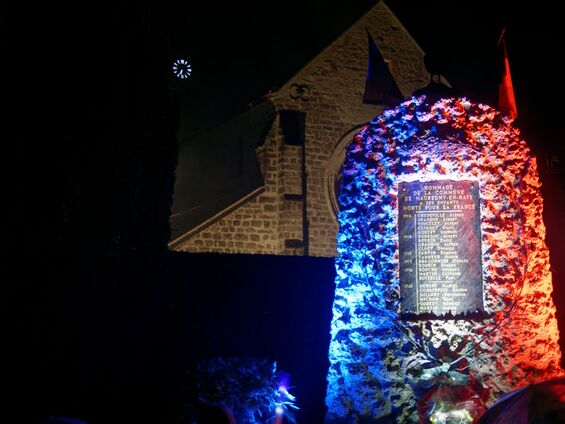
x: 96, y: 307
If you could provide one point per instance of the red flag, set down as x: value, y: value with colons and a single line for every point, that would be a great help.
x: 506, y: 99
x: 380, y: 86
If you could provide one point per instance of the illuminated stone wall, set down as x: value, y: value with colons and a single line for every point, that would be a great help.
x: 381, y: 364
x: 329, y: 90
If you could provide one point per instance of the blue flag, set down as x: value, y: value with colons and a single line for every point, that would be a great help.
x: 380, y: 85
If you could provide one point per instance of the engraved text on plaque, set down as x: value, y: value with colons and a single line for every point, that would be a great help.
x: 439, y: 246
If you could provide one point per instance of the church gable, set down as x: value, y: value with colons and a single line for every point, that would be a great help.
x: 337, y: 74
x: 295, y: 212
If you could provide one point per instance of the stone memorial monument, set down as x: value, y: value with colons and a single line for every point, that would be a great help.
x: 443, y: 288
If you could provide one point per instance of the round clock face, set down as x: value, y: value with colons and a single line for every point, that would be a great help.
x: 181, y: 68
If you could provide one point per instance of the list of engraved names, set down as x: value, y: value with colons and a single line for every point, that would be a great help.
x: 439, y: 246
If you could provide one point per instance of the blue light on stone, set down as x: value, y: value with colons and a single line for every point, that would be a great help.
x: 380, y: 364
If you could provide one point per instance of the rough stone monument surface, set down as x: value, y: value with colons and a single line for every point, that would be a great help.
x: 443, y: 285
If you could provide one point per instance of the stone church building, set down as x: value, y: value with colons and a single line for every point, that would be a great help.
x: 283, y: 196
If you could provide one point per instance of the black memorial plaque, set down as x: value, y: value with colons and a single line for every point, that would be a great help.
x: 440, y: 247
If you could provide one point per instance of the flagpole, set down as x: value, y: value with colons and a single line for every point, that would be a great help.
x: 501, y: 38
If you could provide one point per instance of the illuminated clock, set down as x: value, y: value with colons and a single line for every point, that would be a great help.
x: 181, y: 68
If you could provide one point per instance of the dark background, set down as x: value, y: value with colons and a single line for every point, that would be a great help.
x: 100, y: 320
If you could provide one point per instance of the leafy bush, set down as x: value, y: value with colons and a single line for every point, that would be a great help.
x: 250, y: 388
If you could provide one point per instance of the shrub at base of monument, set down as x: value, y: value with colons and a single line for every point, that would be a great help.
x: 440, y: 222
x: 244, y: 390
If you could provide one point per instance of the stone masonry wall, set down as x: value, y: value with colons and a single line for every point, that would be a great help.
x: 253, y: 227
x: 329, y: 90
